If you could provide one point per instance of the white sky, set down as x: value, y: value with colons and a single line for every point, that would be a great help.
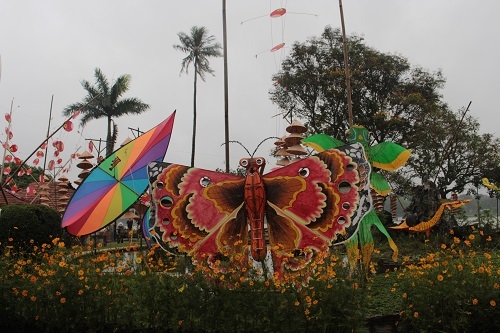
x: 47, y: 47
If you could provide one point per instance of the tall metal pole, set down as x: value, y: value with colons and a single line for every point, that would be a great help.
x: 346, y: 61
x: 226, y: 99
x: 48, y: 133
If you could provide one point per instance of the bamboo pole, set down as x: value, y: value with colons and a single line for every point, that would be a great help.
x: 346, y: 65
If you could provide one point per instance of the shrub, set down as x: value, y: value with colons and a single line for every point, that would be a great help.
x: 24, y: 226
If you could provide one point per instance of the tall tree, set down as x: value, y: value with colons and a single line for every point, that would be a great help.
x: 387, y: 93
x: 199, y: 47
x: 105, y: 101
x: 393, y: 100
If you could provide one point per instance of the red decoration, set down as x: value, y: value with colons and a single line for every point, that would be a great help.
x: 68, y: 126
x: 278, y: 12
x: 278, y: 47
x: 30, y: 190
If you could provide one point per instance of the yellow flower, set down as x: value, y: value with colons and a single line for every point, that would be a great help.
x: 487, y: 255
x: 460, y: 267
x: 456, y: 240
x: 475, y: 301
x: 452, y: 232
x: 471, y: 237
x: 296, y: 303
x: 33, y: 298
x: 488, y: 238
x: 81, y: 272
x: 63, y: 300
x: 138, y: 260
x: 80, y: 292
x: 415, y: 314
x: 25, y: 293
x: 405, y: 295
x: 493, y: 303
x: 440, y: 277
x: 443, y: 246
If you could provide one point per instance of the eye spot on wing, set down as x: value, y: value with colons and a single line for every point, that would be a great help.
x: 341, y: 220
x: 346, y: 205
x: 205, y: 181
x: 166, y: 221
x: 344, y: 187
x: 159, y: 185
x: 304, y: 172
x: 166, y: 202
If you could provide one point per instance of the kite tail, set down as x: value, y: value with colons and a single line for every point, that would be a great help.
x: 352, y: 251
x: 366, y: 243
x: 365, y: 240
x: 392, y: 244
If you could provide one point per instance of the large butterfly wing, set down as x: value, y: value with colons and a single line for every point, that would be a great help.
x: 319, y: 200
x: 198, y: 211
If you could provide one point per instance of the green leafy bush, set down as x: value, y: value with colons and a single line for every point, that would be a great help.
x: 24, y: 226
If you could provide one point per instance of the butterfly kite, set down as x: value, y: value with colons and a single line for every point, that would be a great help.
x: 311, y: 203
x: 387, y: 156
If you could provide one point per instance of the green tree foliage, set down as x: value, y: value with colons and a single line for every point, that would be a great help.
x: 105, y: 101
x: 448, y: 149
x: 24, y: 180
x: 24, y: 226
x: 388, y: 95
x: 393, y: 100
x: 199, y: 47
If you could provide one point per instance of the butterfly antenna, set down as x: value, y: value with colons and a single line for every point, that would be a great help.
x: 271, y: 137
x: 240, y: 145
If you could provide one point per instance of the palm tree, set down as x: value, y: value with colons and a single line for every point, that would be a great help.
x: 104, y: 101
x: 199, y: 46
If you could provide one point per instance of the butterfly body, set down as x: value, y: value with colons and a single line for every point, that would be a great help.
x: 255, y: 201
x: 311, y: 203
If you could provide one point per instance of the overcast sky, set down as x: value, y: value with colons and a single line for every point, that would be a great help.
x: 48, y: 46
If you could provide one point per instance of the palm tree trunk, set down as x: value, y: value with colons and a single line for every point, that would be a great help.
x: 109, y: 139
x: 193, y: 145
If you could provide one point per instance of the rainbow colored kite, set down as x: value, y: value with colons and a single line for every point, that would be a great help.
x: 116, y: 183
